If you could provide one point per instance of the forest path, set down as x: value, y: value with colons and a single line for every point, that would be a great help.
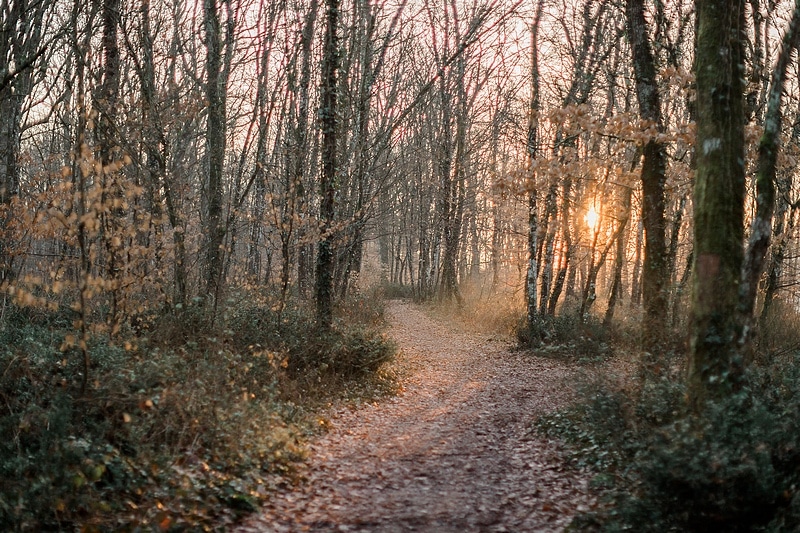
x: 453, y: 452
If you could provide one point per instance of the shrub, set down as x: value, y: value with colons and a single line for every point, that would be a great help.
x: 76, y: 458
x: 779, y: 331
x: 349, y: 352
x: 735, y: 468
x: 364, y: 308
x: 351, y: 348
x: 715, y: 473
x: 597, y: 428
x: 393, y: 291
x: 566, y: 337
x: 183, y: 427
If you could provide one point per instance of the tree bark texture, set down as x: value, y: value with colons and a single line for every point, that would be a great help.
x: 719, y: 193
x: 216, y: 90
x: 327, y: 185
x: 532, y: 147
x: 653, y: 177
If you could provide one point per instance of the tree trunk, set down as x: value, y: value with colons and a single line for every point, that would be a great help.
x: 303, y: 148
x: 497, y: 242
x: 156, y: 150
x: 675, y: 232
x: 452, y: 171
x: 107, y: 102
x: 776, y: 263
x: 589, y: 292
x: 619, y: 262
x: 216, y: 92
x: 567, y: 249
x: 653, y: 177
x: 714, y: 366
x: 532, y: 151
x: 680, y: 288
x: 327, y: 185
x: 636, y: 274
x: 475, y: 251
x: 263, y: 110
x: 547, y: 248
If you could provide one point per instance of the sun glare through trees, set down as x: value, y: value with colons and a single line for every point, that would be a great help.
x: 592, y: 219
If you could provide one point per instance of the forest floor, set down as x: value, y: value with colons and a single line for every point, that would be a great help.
x: 454, y: 451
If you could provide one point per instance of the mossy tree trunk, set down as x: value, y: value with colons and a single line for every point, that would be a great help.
x: 327, y: 185
x: 719, y: 192
x: 217, y: 67
x: 653, y: 177
x: 108, y: 152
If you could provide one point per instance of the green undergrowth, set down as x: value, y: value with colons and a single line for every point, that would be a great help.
x: 396, y: 291
x: 186, y: 424
x: 567, y: 337
x: 660, y: 468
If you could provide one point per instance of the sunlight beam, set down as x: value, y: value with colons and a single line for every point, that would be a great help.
x: 592, y: 219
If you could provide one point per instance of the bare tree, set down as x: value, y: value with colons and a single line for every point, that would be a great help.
x: 768, y: 147
x: 22, y: 46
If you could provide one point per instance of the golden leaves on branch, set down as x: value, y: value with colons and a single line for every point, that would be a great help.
x: 580, y: 120
x: 26, y: 298
x: 678, y: 78
x: 585, y: 144
x: 92, y: 243
x: 572, y: 138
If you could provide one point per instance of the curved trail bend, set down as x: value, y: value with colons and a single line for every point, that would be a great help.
x: 453, y: 452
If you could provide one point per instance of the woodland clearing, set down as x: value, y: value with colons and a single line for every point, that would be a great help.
x: 455, y: 450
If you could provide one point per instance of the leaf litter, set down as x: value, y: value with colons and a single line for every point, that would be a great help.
x: 453, y: 452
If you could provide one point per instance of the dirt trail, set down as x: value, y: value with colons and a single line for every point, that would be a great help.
x: 453, y: 453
